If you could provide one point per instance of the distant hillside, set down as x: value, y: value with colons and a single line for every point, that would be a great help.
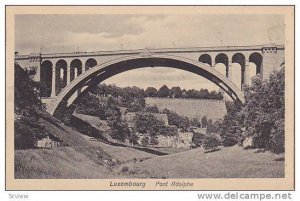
x: 212, y: 109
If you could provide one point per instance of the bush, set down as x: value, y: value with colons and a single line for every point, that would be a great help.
x: 153, y: 141
x: 198, y: 139
x: 211, y: 142
x: 133, y: 139
x: 125, y: 169
x: 145, y: 141
x: 230, y: 141
x: 152, y: 109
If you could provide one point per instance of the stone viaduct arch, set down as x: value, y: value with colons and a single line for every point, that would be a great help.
x: 103, y: 71
x: 230, y: 67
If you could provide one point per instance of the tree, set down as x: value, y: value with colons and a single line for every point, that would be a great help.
x: 145, y: 141
x: 233, y: 122
x: 264, y: 111
x: 204, y: 122
x: 27, y: 108
x: 151, y: 92
x: 198, y: 139
x: 152, y: 109
x: 214, y: 127
x: 163, y: 92
x: 147, y: 123
x: 195, y: 122
x: 89, y: 104
x: 153, y: 141
x: 111, y: 109
x: 137, y: 105
x: 175, y: 92
x: 204, y: 93
x: 261, y: 117
x: 177, y: 120
x: 133, y: 138
x: 119, y: 130
x: 191, y: 93
x: 168, y: 131
x: 211, y: 142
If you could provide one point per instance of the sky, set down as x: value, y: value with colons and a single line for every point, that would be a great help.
x: 69, y: 33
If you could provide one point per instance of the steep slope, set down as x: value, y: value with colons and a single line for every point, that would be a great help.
x: 63, y: 162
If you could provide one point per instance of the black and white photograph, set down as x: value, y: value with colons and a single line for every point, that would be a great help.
x: 172, y: 95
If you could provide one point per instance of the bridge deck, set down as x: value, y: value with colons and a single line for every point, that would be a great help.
x: 154, y: 50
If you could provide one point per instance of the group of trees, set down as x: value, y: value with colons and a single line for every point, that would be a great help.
x: 179, y: 121
x: 27, y: 109
x: 119, y: 128
x: 129, y: 93
x: 149, y: 125
x: 264, y: 111
x: 177, y: 92
x: 261, y: 117
x: 232, y: 125
x: 89, y: 104
x: 106, y: 109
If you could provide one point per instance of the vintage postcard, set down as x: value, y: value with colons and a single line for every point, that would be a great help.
x: 150, y: 98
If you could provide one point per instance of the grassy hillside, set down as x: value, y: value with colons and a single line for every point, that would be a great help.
x: 231, y: 162
x: 72, y: 162
x: 63, y: 163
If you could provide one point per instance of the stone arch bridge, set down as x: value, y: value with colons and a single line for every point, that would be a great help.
x: 67, y: 75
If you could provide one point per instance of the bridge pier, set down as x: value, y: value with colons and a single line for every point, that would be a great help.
x: 246, y: 73
x: 53, y: 91
x: 68, y: 74
x: 213, y: 63
x: 229, y: 69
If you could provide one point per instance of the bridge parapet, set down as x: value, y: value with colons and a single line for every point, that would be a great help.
x: 153, y: 50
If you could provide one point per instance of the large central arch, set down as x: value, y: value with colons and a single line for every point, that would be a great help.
x: 97, y: 74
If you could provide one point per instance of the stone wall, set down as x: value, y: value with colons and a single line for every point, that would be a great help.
x: 212, y: 109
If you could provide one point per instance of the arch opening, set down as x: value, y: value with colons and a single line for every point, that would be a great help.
x: 257, y: 59
x: 90, y: 63
x: 205, y: 58
x: 239, y: 71
x: 75, y: 69
x: 101, y: 72
x: 223, y: 59
x: 46, y: 78
x: 60, y: 75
